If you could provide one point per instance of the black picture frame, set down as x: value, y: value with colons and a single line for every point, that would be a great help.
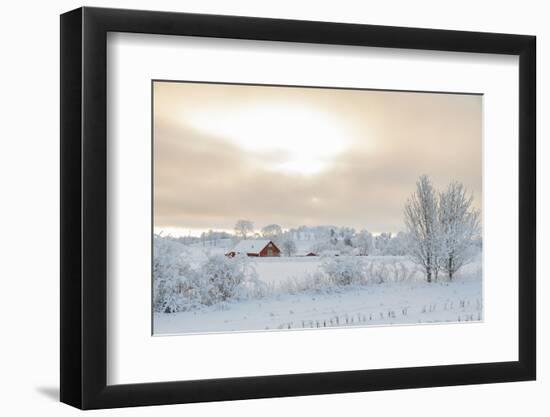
x: 84, y: 207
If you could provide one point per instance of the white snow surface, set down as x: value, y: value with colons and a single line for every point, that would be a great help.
x: 409, y: 302
x: 384, y: 304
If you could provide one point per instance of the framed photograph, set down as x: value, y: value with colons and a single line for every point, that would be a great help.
x: 257, y: 208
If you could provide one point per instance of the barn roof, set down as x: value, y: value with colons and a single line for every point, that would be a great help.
x: 250, y: 246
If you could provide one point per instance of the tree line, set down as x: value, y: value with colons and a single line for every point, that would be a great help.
x: 442, y: 232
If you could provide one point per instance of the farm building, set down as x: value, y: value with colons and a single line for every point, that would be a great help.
x: 262, y: 248
x: 306, y: 253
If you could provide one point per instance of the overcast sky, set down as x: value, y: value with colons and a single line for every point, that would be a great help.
x: 305, y: 156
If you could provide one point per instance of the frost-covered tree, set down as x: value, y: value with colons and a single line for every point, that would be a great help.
x: 459, y: 227
x: 443, y: 228
x: 364, y: 243
x: 243, y: 228
x: 272, y: 231
x: 421, y: 222
x: 398, y: 244
x: 382, y: 243
x: 288, y: 247
x: 388, y: 244
x: 345, y: 235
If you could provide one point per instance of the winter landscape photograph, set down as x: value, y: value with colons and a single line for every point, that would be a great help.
x: 282, y: 208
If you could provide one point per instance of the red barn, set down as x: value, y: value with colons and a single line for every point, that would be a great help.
x: 262, y: 248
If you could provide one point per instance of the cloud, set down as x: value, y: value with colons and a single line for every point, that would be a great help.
x: 208, y: 181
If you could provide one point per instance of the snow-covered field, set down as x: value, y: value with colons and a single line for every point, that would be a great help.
x: 410, y: 301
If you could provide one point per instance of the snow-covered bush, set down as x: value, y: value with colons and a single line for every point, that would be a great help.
x: 314, y: 282
x: 252, y: 287
x: 379, y: 272
x: 349, y: 270
x: 175, y: 284
x: 402, y: 272
x: 344, y: 270
x: 223, y: 278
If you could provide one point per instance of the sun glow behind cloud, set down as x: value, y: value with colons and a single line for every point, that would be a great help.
x: 287, y: 139
x: 304, y: 156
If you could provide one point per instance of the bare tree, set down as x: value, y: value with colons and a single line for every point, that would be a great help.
x: 421, y: 221
x: 288, y: 247
x: 243, y: 228
x: 459, y: 227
